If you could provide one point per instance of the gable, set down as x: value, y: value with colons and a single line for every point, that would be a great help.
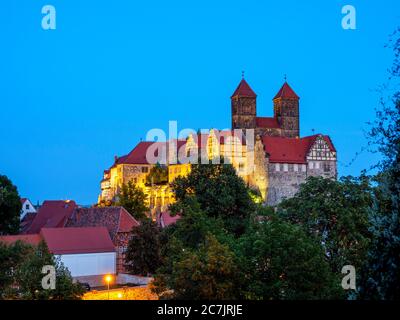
x: 321, y: 149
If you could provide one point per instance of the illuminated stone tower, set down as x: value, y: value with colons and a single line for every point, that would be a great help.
x: 243, y: 102
x: 286, y: 111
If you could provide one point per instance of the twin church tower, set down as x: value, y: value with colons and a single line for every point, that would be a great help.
x: 284, y: 123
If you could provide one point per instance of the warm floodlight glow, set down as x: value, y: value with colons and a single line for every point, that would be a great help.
x: 108, y: 278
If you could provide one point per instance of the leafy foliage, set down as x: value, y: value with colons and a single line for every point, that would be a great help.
x: 21, y: 276
x: 219, y: 192
x: 133, y: 199
x: 281, y: 262
x: 382, y: 274
x: 143, y: 256
x: 10, y: 207
x: 335, y: 213
x: 157, y: 175
x: 207, y: 273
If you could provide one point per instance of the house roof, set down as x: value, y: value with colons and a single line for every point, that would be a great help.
x: 23, y: 200
x: 291, y: 150
x: 52, y: 214
x: 266, y: 122
x: 286, y: 92
x: 244, y: 90
x: 139, y: 154
x: 32, y: 239
x: 77, y: 240
x: 26, y: 221
x: 115, y: 219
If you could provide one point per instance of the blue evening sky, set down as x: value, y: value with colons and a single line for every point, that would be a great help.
x: 72, y: 98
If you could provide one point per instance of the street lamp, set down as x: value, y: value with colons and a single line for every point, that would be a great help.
x: 108, y: 279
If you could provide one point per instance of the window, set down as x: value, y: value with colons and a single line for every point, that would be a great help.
x: 311, y: 165
x: 145, y: 169
x: 327, y: 167
x: 285, y: 167
x: 317, y: 165
x: 134, y: 180
x: 27, y: 206
x: 241, y: 166
x: 303, y: 168
x: 277, y: 167
x: 295, y: 167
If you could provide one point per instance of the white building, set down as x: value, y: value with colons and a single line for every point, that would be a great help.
x: 27, y: 207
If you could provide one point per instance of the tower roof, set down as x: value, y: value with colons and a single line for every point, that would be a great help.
x: 286, y: 92
x: 244, y: 90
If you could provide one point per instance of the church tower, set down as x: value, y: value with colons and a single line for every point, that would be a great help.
x: 243, y: 102
x: 286, y: 111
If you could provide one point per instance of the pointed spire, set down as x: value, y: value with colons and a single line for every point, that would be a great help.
x: 243, y: 89
x: 286, y: 92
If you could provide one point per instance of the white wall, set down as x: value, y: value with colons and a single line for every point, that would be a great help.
x: 88, y: 264
x: 27, y: 207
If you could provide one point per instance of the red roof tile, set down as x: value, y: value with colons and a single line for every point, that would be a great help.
x: 286, y: 92
x: 32, y: 239
x: 138, y: 154
x: 23, y: 200
x: 265, y: 122
x: 27, y: 221
x: 77, y: 240
x: 52, y: 214
x: 290, y: 150
x: 244, y: 90
x: 115, y: 219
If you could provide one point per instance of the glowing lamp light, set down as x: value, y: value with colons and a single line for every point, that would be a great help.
x: 108, y: 278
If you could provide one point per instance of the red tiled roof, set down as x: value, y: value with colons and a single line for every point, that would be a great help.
x: 265, y: 122
x: 77, y: 240
x: 244, y: 90
x: 138, y: 154
x: 290, y: 150
x: 27, y: 221
x: 286, y: 92
x: 126, y: 221
x: 32, y: 239
x: 23, y: 200
x: 52, y: 214
x: 115, y: 219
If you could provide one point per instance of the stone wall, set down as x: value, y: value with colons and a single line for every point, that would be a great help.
x: 284, y: 184
x: 324, y: 168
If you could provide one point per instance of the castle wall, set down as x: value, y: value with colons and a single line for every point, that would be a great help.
x: 326, y: 169
x: 285, y: 182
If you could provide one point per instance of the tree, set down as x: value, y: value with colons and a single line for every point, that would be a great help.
x: 280, y: 261
x: 219, y: 191
x: 133, y: 199
x: 21, y: 268
x: 183, y: 250
x: 208, y: 273
x: 335, y: 213
x: 143, y: 256
x: 157, y: 175
x: 10, y: 207
x: 381, y: 276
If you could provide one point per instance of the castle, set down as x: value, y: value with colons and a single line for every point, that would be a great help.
x: 275, y: 164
